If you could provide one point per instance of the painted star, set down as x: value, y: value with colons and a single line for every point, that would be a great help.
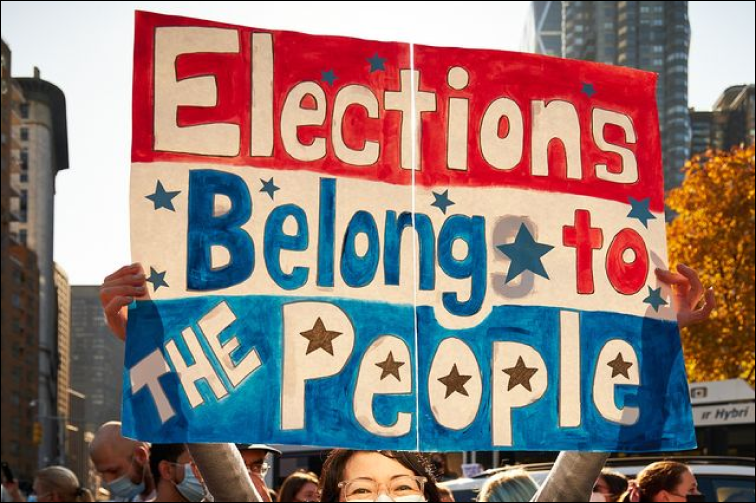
x: 269, y: 188
x: 640, y: 211
x: 520, y: 375
x: 390, y: 367
x: 376, y: 63
x: 620, y: 366
x: 455, y: 382
x: 163, y: 199
x: 525, y: 254
x: 655, y: 299
x: 588, y: 89
x: 328, y: 77
x: 320, y: 338
x: 157, y: 279
x: 442, y: 201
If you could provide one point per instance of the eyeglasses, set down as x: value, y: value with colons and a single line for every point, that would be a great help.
x: 368, y: 490
x: 259, y: 468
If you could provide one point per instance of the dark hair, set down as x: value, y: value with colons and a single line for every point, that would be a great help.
x: 658, y: 477
x: 294, y: 483
x: 616, y: 482
x: 164, y: 452
x: 333, y: 471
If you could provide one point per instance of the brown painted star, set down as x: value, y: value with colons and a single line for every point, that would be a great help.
x: 620, y: 366
x: 390, y: 367
x: 455, y: 382
x: 320, y: 338
x: 520, y: 374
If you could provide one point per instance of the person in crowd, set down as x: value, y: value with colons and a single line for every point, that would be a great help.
x: 123, y: 464
x: 664, y: 481
x: 300, y: 486
x: 445, y: 494
x: 174, y: 474
x: 610, y: 486
x: 350, y: 475
x: 58, y: 483
x: 511, y: 485
x: 256, y: 460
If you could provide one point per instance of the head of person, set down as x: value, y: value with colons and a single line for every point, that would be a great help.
x: 666, y: 481
x: 511, y: 485
x: 122, y: 463
x: 174, y: 473
x: 255, y: 458
x: 438, y: 462
x: 610, y: 486
x: 300, y: 486
x: 445, y: 494
x: 377, y: 476
x: 57, y: 483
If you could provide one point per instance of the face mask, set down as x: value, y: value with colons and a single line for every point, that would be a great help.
x: 124, y: 488
x: 408, y: 499
x: 695, y: 497
x: 191, y: 488
x: 598, y: 497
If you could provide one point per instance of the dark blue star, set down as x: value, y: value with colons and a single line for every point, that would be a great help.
x: 525, y: 254
x: 588, y: 89
x: 442, y: 201
x: 640, y: 211
x: 269, y: 187
x: 157, y: 279
x: 329, y: 77
x: 376, y: 63
x: 654, y: 299
x: 163, y: 199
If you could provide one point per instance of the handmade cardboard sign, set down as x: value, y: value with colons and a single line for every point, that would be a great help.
x: 376, y: 245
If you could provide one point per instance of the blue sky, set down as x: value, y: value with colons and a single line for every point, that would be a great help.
x: 86, y: 49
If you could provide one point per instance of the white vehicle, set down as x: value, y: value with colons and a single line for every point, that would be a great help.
x: 719, y: 478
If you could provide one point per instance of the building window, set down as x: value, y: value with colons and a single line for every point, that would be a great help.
x: 23, y: 109
x: 16, y: 301
x: 24, y: 134
x: 23, y: 234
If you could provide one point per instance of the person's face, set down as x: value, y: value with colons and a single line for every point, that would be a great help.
x: 308, y: 492
x: 371, y: 469
x: 111, y: 465
x: 175, y: 471
x: 602, y: 487
x: 687, y: 486
x: 256, y: 464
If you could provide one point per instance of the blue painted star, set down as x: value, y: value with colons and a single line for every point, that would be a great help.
x: 442, y: 201
x: 162, y: 198
x: 525, y: 254
x: 329, y: 77
x: 376, y: 63
x: 269, y: 188
x: 157, y: 279
x: 588, y: 89
x: 640, y: 211
x: 654, y: 299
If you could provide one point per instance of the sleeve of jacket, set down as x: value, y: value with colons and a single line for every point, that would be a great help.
x: 223, y: 471
x: 572, y: 477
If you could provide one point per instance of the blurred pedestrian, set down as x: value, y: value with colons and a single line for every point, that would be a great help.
x: 300, y: 486
x: 58, y: 483
x: 511, y: 485
x: 610, y: 486
x: 664, y: 481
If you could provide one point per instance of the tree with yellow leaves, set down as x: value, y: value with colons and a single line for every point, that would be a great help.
x: 714, y: 233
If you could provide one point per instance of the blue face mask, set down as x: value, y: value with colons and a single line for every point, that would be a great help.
x: 123, y: 488
x: 191, y: 488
